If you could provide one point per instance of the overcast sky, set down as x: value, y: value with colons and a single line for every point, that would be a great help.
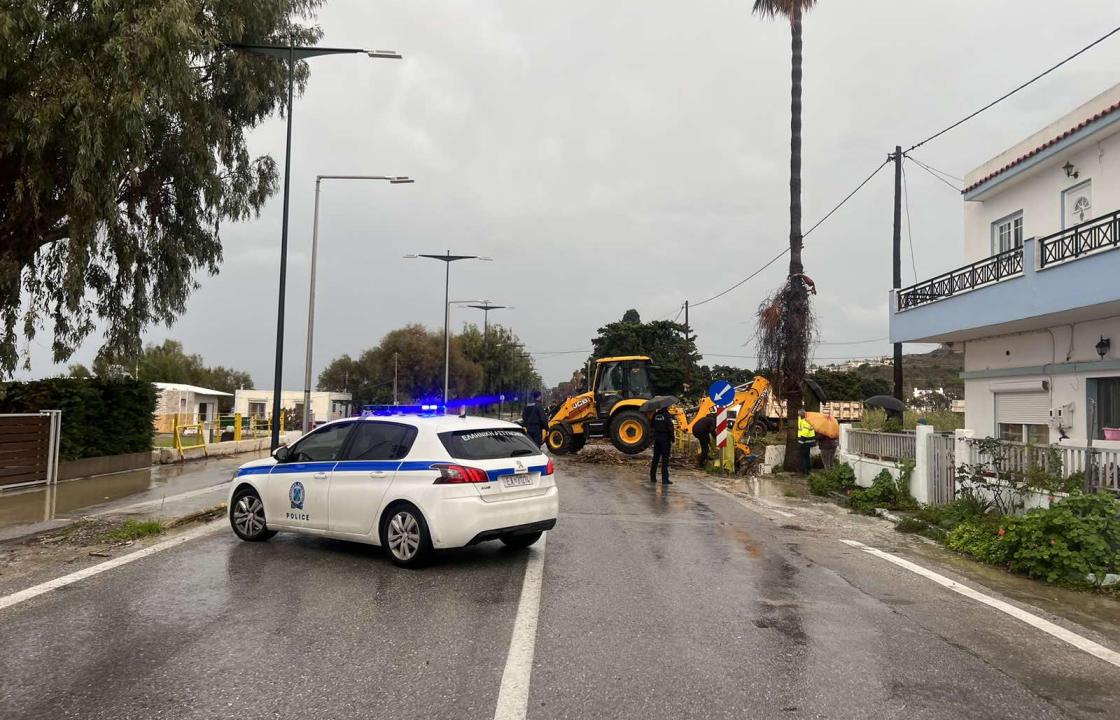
x: 631, y: 153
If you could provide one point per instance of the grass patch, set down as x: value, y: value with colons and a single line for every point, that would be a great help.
x: 790, y: 493
x: 132, y: 530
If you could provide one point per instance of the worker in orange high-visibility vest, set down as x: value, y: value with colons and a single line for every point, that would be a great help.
x: 806, y: 439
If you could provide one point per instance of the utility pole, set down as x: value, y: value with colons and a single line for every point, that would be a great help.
x: 395, y: 379
x: 897, y: 261
x: 687, y: 354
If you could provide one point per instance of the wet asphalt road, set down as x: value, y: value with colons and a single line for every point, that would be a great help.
x: 655, y: 604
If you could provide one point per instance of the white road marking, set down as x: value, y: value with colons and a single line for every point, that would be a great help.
x: 15, y: 598
x: 513, y: 697
x: 1079, y: 642
x: 160, y: 501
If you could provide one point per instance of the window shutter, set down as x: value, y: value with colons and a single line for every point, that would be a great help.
x: 1021, y: 407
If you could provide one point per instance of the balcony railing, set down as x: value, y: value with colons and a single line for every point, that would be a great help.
x: 984, y: 272
x: 1078, y: 240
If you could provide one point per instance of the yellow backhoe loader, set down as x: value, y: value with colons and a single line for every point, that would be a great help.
x: 619, y: 406
x: 748, y: 407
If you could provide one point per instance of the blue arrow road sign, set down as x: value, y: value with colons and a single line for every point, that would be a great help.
x: 721, y: 393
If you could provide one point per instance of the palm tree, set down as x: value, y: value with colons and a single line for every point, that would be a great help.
x: 794, y: 297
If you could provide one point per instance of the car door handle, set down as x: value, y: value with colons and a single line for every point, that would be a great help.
x: 320, y: 476
x: 377, y: 473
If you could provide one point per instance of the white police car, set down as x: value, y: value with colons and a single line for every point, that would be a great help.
x: 409, y: 483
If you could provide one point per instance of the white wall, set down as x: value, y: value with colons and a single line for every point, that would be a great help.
x: 1045, y: 347
x: 320, y: 401
x: 1039, y: 196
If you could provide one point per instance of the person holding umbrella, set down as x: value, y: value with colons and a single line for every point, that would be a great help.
x: 806, y: 439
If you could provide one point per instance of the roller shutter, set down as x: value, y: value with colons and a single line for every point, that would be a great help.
x: 1020, y: 407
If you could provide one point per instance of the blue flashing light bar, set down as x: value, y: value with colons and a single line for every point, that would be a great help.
x: 422, y: 409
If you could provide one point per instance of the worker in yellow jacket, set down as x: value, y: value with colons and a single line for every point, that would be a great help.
x: 806, y: 439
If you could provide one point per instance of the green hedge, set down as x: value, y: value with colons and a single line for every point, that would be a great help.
x: 99, y: 416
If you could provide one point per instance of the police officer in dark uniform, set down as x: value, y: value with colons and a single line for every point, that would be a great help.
x: 704, y: 430
x: 534, y: 418
x: 662, y: 426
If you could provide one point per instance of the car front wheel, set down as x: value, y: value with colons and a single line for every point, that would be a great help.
x: 246, y: 515
x: 521, y: 541
x: 404, y: 534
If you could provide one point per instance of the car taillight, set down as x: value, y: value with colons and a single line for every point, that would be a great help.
x: 454, y: 474
x: 548, y: 470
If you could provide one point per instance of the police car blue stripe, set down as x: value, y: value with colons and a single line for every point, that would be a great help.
x: 367, y: 466
x: 304, y: 467
x: 257, y: 470
x: 414, y: 465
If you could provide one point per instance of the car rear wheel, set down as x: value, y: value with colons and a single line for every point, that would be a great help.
x: 404, y: 535
x: 521, y: 541
x: 246, y: 515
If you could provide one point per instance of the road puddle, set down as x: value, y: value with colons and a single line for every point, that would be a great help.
x: 20, y: 507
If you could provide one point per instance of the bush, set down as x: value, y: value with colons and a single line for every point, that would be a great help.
x: 840, y: 478
x: 981, y: 538
x: 1064, y: 543
x: 885, y: 492
x: 966, y: 507
x: 100, y: 416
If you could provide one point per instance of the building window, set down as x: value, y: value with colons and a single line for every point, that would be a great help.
x: 257, y: 409
x: 1033, y: 434
x: 1108, y: 405
x: 1007, y: 233
x: 1077, y: 204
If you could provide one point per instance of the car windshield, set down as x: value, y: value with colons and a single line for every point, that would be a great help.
x: 488, y: 444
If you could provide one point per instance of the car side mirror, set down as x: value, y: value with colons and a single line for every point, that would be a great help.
x: 281, y: 453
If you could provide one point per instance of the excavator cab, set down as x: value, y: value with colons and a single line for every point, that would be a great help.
x: 619, y: 407
x: 620, y: 379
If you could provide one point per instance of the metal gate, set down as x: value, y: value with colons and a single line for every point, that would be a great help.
x: 29, y: 448
x: 942, y: 478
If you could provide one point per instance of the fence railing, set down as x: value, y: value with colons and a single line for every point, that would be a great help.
x: 1021, y: 458
x: 220, y: 428
x: 983, y: 272
x: 29, y: 448
x: 882, y: 446
x: 1079, y: 240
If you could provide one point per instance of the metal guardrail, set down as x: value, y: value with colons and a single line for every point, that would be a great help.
x: 1088, y: 237
x: 882, y: 446
x: 983, y: 272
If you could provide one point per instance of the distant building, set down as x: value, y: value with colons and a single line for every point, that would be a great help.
x: 325, y: 406
x: 185, y: 404
x: 191, y: 401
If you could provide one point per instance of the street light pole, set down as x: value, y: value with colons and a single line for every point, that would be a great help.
x: 393, y: 180
x: 447, y: 258
x: 486, y: 307
x: 291, y: 52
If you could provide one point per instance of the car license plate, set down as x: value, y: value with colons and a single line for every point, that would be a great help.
x: 517, y: 480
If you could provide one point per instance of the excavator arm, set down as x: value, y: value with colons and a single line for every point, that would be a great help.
x: 751, y: 400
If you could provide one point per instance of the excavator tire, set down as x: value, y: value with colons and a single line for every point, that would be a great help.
x: 630, y: 432
x: 758, y: 428
x: 559, y: 440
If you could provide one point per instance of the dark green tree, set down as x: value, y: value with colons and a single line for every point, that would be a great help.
x: 122, y: 151
x: 662, y: 341
x: 419, y: 353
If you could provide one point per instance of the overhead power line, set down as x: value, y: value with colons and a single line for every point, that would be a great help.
x: 1003, y: 97
x: 909, y: 230
x: 803, y: 236
x: 933, y: 172
x: 931, y: 168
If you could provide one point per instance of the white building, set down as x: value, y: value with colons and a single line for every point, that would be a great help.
x: 190, y: 402
x: 325, y: 406
x: 1036, y: 307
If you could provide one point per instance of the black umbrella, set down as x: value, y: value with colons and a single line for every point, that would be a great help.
x: 658, y: 403
x: 886, y: 402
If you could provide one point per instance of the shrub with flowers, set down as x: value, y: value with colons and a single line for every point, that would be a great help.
x: 1065, y: 543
